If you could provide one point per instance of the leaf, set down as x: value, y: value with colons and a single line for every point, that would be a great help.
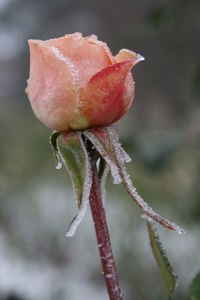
x: 168, y: 275
x: 74, y: 156
x: 52, y: 140
x: 195, y: 288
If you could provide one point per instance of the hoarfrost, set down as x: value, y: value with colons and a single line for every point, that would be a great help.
x: 116, y: 177
x: 147, y: 210
x: 85, y: 197
x: 59, y: 164
x: 114, y: 137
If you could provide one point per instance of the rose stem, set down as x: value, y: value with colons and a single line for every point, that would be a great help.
x: 102, y: 235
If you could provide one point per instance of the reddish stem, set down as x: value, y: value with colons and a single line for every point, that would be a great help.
x: 103, y: 237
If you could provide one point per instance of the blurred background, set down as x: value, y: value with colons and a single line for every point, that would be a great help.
x: 161, y: 132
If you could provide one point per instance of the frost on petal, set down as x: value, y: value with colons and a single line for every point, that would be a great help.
x: 94, y: 40
x: 108, y: 94
x: 125, y: 54
x: 147, y: 210
x: 53, y: 86
x: 87, y: 54
x: 75, y: 158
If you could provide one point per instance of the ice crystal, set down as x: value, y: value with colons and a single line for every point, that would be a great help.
x: 147, y: 210
x: 86, y: 194
x: 101, y: 149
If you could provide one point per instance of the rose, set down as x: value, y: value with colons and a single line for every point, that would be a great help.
x: 76, y: 83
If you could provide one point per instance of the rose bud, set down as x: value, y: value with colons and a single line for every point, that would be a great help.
x: 76, y: 83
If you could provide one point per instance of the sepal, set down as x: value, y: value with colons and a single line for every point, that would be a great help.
x: 73, y: 154
x: 52, y: 140
x: 106, y: 142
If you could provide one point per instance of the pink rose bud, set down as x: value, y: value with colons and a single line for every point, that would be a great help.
x: 76, y: 83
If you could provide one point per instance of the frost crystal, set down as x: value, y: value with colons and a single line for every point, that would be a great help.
x: 59, y: 164
x: 100, y: 148
x: 114, y: 137
x: 147, y: 210
x: 85, y: 197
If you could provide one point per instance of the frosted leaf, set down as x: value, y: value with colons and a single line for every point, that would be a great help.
x: 167, y: 272
x: 101, y: 149
x: 147, y: 210
x: 85, y: 197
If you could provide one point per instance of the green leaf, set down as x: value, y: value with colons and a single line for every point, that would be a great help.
x: 168, y: 275
x: 74, y: 156
x: 195, y: 288
x: 52, y: 140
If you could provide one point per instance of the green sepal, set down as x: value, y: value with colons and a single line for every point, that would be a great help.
x: 168, y: 274
x: 73, y: 154
x: 52, y: 140
x: 195, y: 288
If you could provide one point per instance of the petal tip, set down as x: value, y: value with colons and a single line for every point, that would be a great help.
x: 140, y: 57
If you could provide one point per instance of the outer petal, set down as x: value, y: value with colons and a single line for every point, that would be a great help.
x: 125, y: 54
x: 52, y: 86
x: 108, y: 94
x: 88, y: 54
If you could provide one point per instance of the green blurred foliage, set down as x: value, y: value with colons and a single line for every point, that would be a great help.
x: 195, y: 288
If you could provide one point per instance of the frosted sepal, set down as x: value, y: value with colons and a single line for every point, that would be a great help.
x: 147, y: 210
x: 74, y: 156
x: 99, y: 139
x: 52, y: 140
x: 114, y: 137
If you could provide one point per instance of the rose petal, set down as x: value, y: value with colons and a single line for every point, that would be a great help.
x: 52, y: 86
x: 125, y: 54
x: 88, y: 54
x: 108, y: 94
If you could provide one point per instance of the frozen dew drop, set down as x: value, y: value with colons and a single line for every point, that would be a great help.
x: 59, y: 165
